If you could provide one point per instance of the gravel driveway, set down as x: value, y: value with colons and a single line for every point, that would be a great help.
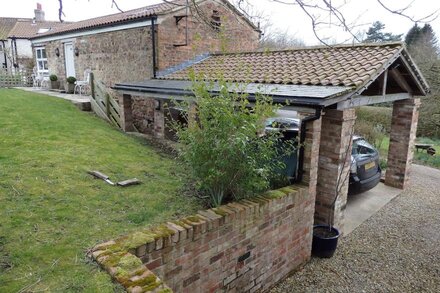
x: 396, y: 250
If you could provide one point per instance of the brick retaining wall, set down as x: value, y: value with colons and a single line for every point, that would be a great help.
x: 245, y: 246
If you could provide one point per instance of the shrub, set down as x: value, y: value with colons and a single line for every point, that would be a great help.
x: 222, y: 145
x: 429, y: 118
x: 53, y: 77
x: 379, y: 117
x: 374, y: 124
x: 383, y: 164
x: 71, y: 79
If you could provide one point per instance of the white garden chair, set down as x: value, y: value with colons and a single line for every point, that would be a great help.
x: 82, y: 86
x: 39, y: 80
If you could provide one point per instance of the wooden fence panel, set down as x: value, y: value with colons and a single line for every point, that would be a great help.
x: 103, y: 104
x: 15, y: 79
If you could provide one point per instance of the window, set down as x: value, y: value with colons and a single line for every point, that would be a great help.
x: 362, y: 147
x: 215, y: 20
x: 41, y: 60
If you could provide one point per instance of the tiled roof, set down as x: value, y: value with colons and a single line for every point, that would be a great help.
x: 6, y: 24
x: 351, y: 66
x: 25, y: 29
x: 131, y: 15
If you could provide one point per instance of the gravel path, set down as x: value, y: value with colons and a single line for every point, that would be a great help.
x: 396, y: 250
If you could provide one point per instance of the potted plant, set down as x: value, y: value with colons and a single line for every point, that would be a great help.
x: 54, y: 83
x: 70, y: 86
x: 325, y: 236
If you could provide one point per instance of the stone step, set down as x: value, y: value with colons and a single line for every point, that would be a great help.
x: 83, y: 105
x: 57, y: 91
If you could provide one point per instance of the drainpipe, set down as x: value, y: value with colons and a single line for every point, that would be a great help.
x: 14, y: 52
x: 153, y: 38
x: 4, y: 54
x: 302, y: 138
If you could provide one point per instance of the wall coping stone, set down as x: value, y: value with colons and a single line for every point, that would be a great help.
x: 121, y: 257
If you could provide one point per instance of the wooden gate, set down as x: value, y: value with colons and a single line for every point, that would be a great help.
x: 104, y: 105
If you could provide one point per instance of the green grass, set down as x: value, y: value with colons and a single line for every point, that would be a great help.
x: 423, y: 158
x: 420, y: 157
x: 51, y: 211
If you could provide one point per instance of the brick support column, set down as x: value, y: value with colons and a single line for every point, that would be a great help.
x: 402, y: 137
x: 334, y: 166
x: 159, y: 119
x: 126, y: 113
x: 311, y: 155
x: 310, y: 168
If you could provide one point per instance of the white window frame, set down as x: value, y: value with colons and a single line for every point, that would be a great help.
x: 44, y: 70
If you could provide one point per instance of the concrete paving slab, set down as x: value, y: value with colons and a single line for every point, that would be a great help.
x: 361, y: 207
x: 70, y: 97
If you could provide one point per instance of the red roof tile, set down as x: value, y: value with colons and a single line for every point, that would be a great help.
x: 26, y: 29
x: 6, y: 24
x: 337, y: 65
x: 131, y: 15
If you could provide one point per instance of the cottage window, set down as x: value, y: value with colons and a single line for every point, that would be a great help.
x: 41, y: 60
x: 215, y: 20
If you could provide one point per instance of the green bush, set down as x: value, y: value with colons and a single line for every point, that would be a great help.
x: 429, y: 118
x: 379, y: 117
x: 71, y: 79
x: 53, y: 77
x: 383, y: 164
x: 222, y: 145
x: 374, y: 124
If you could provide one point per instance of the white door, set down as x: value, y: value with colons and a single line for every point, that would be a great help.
x: 70, y: 62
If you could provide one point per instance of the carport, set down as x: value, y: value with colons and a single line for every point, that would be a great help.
x: 323, y: 85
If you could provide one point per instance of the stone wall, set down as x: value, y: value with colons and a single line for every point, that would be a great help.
x: 127, y: 55
x: 118, y: 56
x: 234, y: 34
x: 239, y: 247
x: 143, y: 114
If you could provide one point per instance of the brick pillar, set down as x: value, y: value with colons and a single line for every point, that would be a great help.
x: 402, y: 137
x: 311, y: 155
x: 126, y: 113
x: 334, y: 166
x: 310, y: 167
x: 159, y: 119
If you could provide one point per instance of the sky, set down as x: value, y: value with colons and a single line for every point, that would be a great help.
x: 287, y: 19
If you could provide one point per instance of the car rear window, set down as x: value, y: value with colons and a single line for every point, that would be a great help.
x: 282, y: 123
x: 362, y: 147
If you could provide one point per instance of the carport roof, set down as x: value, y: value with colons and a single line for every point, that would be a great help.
x: 306, y: 95
x: 342, y: 65
x: 314, y: 75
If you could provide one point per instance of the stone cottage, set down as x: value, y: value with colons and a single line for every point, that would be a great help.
x: 141, y: 43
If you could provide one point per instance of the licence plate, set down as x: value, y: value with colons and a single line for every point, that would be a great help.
x: 370, y: 165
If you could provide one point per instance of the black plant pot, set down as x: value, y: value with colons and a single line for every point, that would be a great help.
x: 325, y: 241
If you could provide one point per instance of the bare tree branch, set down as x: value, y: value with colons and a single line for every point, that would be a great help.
x: 402, y: 12
x: 116, y: 5
x: 60, y: 11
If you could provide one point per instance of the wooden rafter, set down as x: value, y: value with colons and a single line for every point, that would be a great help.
x: 401, y: 81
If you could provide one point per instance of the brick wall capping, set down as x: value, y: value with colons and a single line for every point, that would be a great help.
x: 121, y: 257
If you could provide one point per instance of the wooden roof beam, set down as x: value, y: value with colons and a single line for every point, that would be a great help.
x: 358, y: 101
x: 400, y: 79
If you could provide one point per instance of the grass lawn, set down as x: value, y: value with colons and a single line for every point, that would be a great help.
x: 51, y: 211
x: 420, y: 157
x: 423, y: 158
